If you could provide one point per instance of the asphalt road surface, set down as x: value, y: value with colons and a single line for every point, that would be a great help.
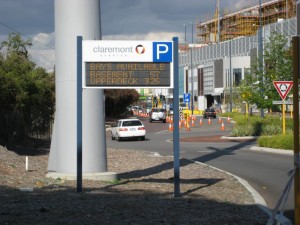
x: 266, y: 172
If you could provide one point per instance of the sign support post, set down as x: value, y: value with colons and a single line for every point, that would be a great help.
x: 296, y: 46
x: 134, y: 64
x: 283, y: 118
x: 79, y: 114
x: 176, y: 145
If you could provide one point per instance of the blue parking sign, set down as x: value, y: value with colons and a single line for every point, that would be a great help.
x: 186, y: 97
x: 162, y: 51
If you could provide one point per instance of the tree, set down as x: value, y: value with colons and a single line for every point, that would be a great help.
x: 26, y: 93
x: 15, y: 44
x: 257, y: 87
x: 116, y: 101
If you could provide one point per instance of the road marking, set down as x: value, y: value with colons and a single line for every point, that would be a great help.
x: 205, y: 151
x: 160, y: 132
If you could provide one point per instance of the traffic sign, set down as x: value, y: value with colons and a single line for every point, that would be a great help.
x: 283, y: 88
x: 186, y: 97
x: 127, y: 64
x: 282, y: 102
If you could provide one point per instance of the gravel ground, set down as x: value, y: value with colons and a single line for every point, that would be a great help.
x: 142, y: 195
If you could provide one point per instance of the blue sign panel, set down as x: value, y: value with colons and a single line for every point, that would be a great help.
x: 186, y: 97
x: 162, y: 51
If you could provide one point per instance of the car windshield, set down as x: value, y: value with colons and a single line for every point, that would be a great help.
x: 209, y: 110
x: 158, y: 110
x: 131, y: 123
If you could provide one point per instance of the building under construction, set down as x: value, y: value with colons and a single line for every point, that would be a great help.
x: 243, y: 22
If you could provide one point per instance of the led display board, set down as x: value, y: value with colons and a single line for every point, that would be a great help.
x: 124, y: 74
x: 127, y: 64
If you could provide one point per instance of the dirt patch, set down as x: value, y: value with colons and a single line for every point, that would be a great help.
x: 143, y: 195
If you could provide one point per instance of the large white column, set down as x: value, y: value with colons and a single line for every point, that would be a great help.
x: 72, y: 19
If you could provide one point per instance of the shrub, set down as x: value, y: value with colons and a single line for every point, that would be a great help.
x: 268, y: 128
x: 256, y: 126
x: 279, y: 141
x: 242, y: 130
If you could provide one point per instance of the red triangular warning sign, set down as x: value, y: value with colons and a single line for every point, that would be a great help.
x: 283, y: 88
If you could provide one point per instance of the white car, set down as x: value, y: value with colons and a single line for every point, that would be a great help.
x: 128, y: 128
x: 158, y: 114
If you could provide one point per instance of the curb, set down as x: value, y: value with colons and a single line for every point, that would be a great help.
x: 272, y: 150
x: 258, y: 199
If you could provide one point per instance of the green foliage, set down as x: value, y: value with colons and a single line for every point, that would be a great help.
x: 258, y: 83
x: 244, y: 130
x: 269, y: 130
x: 26, y: 93
x: 254, y: 125
x: 15, y: 45
x: 279, y: 141
x: 117, y: 101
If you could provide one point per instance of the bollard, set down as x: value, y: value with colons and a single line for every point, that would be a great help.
x: 26, y: 163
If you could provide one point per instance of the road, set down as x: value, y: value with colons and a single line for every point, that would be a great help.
x: 266, y: 172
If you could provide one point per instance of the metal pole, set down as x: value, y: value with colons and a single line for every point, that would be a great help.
x: 296, y: 45
x: 283, y: 118
x: 287, y: 9
x: 230, y: 78
x: 218, y: 5
x: 192, y: 32
x: 192, y: 81
x: 192, y: 75
x: 184, y: 34
x: 79, y: 114
x: 260, y: 52
x: 176, y: 145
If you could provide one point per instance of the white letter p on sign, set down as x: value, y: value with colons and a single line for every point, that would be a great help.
x: 161, y: 49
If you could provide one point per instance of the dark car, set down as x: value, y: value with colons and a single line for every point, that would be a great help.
x: 210, y: 112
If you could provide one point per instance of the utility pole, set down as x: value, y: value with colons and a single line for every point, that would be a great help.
x: 218, y: 36
x: 230, y: 78
x: 192, y: 75
x: 260, y: 55
x: 184, y: 35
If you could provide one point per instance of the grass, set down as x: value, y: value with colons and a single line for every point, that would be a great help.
x: 279, y: 141
x: 268, y: 129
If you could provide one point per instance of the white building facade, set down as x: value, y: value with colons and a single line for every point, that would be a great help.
x: 209, y: 79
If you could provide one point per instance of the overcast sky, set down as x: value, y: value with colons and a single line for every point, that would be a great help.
x: 121, y: 19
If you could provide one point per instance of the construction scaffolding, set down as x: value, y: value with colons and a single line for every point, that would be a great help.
x: 243, y: 22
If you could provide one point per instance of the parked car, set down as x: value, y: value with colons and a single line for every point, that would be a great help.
x: 128, y: 129
x: 140, y: 110
x: 158, y: 114
x: 210, y: 112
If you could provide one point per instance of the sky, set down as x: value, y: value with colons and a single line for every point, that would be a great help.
x: 120, y: 20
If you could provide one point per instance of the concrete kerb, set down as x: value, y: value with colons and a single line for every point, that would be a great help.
x: 283, y: 220
x: 258, y: 199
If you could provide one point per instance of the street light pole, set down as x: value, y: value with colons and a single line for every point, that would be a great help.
x: 230, y: 78
x: 184, y: 34
x: 192, y: 32
x: 192, y: 75
x: 260, y: 52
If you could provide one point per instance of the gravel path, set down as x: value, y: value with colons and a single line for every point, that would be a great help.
x: 143, y: 195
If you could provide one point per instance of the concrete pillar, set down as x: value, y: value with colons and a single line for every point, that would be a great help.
x: 72, y: 19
